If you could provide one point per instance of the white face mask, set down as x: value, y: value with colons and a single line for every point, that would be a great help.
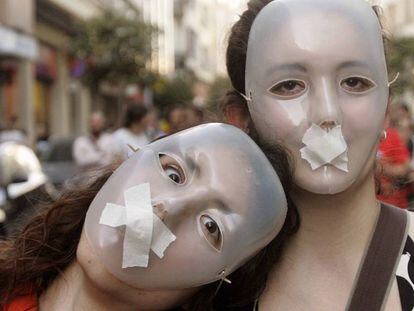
x: 218, y: 200
x: 316, y: 66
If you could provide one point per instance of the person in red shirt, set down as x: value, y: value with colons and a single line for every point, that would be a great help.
x: 394, y: 159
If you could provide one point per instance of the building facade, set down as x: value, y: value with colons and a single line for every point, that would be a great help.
x: 160, y: 13
x: 18, y: 53
x: 201, y: 29
x: 38, y: 90
x: 399, y: 17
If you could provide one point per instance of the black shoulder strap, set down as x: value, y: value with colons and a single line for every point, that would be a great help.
x: 378, y: 268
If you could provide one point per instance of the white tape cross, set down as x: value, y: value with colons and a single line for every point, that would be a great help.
x: 144, y: 230
x: 325, y: 147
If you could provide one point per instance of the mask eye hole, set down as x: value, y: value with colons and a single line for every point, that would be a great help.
x: 172, y: 169
x: 211, y: 231
x: 357, y: 85
x: 288, y: 89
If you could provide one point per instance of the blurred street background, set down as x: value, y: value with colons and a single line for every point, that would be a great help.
x: 60, y: 60
x: 81, y: 80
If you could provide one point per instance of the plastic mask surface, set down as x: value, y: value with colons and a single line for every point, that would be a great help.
x: 213, y: 188
x: 312, y: 65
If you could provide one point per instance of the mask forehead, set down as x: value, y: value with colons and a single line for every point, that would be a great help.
x: 305, y: 33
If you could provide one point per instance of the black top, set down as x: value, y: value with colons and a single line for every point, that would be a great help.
x: 405, y: 276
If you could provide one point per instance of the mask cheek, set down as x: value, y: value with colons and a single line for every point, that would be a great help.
x: 279, y: 119
x: 356, y: 111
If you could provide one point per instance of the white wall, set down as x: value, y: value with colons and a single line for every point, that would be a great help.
x: 201, y: 35
x: 160, y: 13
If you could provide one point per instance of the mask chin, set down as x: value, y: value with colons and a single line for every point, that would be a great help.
x: 327, y: 181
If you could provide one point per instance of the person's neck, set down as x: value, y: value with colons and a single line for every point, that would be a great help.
x: 73, y: 291
x: 337, y: 225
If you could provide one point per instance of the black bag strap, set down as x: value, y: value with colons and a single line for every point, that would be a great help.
x: 381, y: 260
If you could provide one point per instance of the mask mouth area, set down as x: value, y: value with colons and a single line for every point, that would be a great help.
x: 325, y: 145
x: 144, y: 230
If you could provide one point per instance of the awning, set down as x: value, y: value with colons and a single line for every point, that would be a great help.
x: 17, y: 44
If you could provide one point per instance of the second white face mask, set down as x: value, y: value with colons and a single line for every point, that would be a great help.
x: 316, y: 80
x: 186, y: 210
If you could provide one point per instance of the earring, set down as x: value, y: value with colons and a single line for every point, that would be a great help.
x: 247, y: 98
x: 384, y: 135
x: 223, y: 279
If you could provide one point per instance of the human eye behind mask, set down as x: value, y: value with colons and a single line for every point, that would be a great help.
x: 186, y: 210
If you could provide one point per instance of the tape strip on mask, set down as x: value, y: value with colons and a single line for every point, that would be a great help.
x: 325, y: 147
x: 144, y: 230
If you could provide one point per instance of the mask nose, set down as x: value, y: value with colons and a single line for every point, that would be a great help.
x: 177, y: 205
x: 328, y: 125
x: 325, y: 111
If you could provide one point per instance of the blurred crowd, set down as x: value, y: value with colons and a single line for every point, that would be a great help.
x: 104, y: 144
x: 64, y: 157
x: 140, y: 126
x: 395, y: 166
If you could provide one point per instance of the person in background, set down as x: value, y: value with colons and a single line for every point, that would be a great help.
x: 394, y: 159
x: 176, y: 119
x: 133, y: 134
x: 97, y: 148
x: 194, y: 116
x: 184, y: 117
x: 42, y: 143
x: 153, y: 129
x: 401, y: 119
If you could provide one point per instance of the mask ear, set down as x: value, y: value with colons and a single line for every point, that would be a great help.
x: 238, y: 116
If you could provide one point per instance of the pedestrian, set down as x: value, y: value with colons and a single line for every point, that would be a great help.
x: 97, y: 148
x: 177, y: 119
x: 314, y: 77
x: 133, y: 133
x: 394, y: 166
x: 153, y: 129
x: 91, y: 248
x: 194, y: 116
